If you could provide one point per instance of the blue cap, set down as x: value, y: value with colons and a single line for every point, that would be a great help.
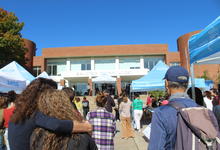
x: 177, y: 74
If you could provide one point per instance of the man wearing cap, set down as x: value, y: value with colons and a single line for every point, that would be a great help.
x: 164, y: 121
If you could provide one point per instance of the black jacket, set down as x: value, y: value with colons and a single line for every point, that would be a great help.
x: 109, y: 104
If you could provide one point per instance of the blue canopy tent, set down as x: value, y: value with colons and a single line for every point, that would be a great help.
x: 14, y: 77
x: 204, y: 47
x: 154, y: 80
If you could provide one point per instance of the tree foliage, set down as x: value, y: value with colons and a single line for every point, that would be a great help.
x: 218, y: 75
x: 158, y: 94
x: 11, y: 42
x: 205, y: 75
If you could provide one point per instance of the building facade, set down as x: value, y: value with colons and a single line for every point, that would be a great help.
x: 77, y: 66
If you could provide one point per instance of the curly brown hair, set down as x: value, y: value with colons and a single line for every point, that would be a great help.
x: 56, y: 104
x: 101, y: 100
x: 26, y: 102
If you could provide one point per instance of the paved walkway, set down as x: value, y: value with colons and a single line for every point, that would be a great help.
x: 137, y: 143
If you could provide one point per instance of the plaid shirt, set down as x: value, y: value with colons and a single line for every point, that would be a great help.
x: 103, y: 128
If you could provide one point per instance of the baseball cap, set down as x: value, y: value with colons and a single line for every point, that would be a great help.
x: 177, y: 74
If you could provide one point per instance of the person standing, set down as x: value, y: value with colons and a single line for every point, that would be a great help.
x: 85, y: 104
x: 198, y: 96
x: 164, y: 121
x: 27, y: 117
x: 149, y: 100
x: 78, y: 104
x: 216, y: 111
x: 110, y: 102
x: 124, y: 110
x: 55, y: 103
x: 208, y: 100
x: 3, y: 105
x: 7, y: 113
x: 104, y: 125
x: 117, y: 118
x: 137, y: 106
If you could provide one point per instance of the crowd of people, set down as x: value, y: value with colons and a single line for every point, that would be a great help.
x: 44, y: 118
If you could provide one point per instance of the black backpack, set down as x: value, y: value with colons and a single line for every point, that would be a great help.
x: 197, y: 128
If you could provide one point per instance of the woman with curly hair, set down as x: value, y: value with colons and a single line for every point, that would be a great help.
x: 27, y: 117
x: 56, y: 103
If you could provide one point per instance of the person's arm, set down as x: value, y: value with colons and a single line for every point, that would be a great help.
x: 158, y: 132
x: 61, y: 126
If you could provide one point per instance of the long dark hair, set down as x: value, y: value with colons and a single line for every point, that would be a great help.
x: 26, y: 102
x: 198, y: 94
x: 56, y: 104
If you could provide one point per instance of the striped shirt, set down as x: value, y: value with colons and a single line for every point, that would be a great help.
x: 103, y: 128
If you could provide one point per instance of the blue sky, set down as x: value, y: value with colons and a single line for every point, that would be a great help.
x: 66, y: 23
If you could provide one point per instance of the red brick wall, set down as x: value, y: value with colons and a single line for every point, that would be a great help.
x: 113, y: 50
x: 31, y: 49
x: 173, y: 57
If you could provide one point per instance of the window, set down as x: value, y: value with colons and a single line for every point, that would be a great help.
x: 175, y: 64
x: 77, y: 64
x: 129, y: 63
x: 36, y: 70
x: 52, y: 70
x: 151, y: 61
x: 56, y: 66
x: 85, y: 66
x: 104, y: 64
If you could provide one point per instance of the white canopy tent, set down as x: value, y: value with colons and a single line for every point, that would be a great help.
x: 44, y: 75
x: 7, y: 83
x: 14, y: 77
x: 104, y: 78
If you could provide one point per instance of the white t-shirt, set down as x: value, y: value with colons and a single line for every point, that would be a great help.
x: 208, y: 103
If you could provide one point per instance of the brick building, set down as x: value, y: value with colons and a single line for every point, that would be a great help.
x: 76, y: 66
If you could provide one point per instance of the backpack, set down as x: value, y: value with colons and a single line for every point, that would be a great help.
x: 197, y: 128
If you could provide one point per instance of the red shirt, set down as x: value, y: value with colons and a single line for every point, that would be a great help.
x: 149, y: 100
x: 7, y: 115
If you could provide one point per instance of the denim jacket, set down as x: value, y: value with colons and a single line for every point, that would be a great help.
x: 164, y: 123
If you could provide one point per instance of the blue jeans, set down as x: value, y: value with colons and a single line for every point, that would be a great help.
x: 2, y: 146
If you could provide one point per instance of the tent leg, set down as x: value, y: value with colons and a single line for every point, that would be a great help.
x: 192, y: 81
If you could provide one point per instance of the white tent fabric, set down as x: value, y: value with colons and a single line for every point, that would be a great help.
x: 14, y: 77
x: 44, y: 75
x: 104, y: 78
x: 7, y: 83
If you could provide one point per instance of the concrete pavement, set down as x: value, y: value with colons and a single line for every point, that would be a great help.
x: 136, y: 143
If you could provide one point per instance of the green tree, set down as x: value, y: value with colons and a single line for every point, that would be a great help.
x: 11, y: 42
x: 218, y: 75
x: 205, y: 75
x: 157, y: 94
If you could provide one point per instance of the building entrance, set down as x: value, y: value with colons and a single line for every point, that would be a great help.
x: 100, y: 87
